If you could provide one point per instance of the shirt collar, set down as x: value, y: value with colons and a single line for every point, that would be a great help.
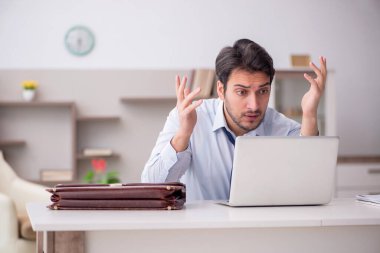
x: 220, y: 121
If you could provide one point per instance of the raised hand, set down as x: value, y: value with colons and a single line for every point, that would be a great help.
x: 186, y: 113
x: 311, y: 98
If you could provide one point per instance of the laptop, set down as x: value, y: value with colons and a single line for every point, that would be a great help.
x: 277, y: 171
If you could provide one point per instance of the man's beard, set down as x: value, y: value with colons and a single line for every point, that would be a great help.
x: 236, y: 120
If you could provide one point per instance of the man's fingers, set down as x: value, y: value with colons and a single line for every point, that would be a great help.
x: 323, y: 63
x: 177, y: 83
x: 316, y: 69
x: 184, y: 95
x: 188, y: 99
x: 181, y: 88
x: 183, y: 82
x: 191, y: 96
x: 193, y: 106
x: 187, y: 91
x: 311, y: 80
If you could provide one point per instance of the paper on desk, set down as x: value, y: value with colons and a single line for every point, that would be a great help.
x: 371, y: 198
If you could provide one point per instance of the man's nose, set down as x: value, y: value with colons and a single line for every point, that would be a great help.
x: 252, y: 102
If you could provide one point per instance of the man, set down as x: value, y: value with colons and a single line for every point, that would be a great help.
x: 196, y: 145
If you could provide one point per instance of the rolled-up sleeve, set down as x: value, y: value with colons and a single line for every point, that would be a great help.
x: 295, y: 130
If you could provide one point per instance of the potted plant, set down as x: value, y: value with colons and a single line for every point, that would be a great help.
x: 99, y: 174
x: 29, y: 90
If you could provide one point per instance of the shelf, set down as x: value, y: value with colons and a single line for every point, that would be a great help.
x: 84, y: 157
x: 11, y: 143
x: 292, y: 73
x: 97, y: 118
x: 36, y: 104
x: 55, y: 175
x: 295, y: 73
x: 147, y: 99
x: 358, y: 159
x: 294, y: 70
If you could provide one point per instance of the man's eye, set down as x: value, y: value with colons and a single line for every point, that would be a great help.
x: 241, y: 92
x: 263, y: 91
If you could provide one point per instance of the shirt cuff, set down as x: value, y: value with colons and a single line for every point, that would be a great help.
x: 171, y: 154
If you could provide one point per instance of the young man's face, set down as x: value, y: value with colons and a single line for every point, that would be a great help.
x: 245, y: 100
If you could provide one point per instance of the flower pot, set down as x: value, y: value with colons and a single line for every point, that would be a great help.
x: 28, y: 95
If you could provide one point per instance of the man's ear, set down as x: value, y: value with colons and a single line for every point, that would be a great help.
x: 220, y: 89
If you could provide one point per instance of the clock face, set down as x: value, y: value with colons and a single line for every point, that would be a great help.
x: 79, y: 40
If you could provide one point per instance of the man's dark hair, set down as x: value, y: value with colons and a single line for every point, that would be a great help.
x: 243, y: 55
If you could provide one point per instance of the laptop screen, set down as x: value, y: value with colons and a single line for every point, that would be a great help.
x: 283, y: 170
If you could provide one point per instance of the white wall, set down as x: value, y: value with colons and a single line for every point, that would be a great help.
x: 178, y: 34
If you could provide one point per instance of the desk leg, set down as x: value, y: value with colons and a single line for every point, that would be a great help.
x: 40, y: 242
x: 72, y: 241
x: 62, y: 242
x: 49, y: 242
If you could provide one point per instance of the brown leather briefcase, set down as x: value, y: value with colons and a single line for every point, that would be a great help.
x: 166, y: 196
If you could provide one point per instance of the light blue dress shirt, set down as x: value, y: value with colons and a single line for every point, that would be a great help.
x: 205, y: 166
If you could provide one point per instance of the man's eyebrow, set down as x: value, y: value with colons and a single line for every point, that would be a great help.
x: 247, y: 87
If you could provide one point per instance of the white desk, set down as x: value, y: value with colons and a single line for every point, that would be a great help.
x: 344, y: 225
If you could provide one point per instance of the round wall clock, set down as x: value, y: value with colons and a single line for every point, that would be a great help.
x: 79, y: 40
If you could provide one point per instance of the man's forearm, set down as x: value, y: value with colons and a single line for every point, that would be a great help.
x: 180, y: 141
x: 309, y: 125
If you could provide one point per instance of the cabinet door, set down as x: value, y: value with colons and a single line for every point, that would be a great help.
x: 358, y: 178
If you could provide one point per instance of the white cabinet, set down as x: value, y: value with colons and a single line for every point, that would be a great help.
x: 288, y: 88
x: 357, y: 178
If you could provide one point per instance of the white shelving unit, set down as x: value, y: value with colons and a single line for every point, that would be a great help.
x: 54, y: 120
